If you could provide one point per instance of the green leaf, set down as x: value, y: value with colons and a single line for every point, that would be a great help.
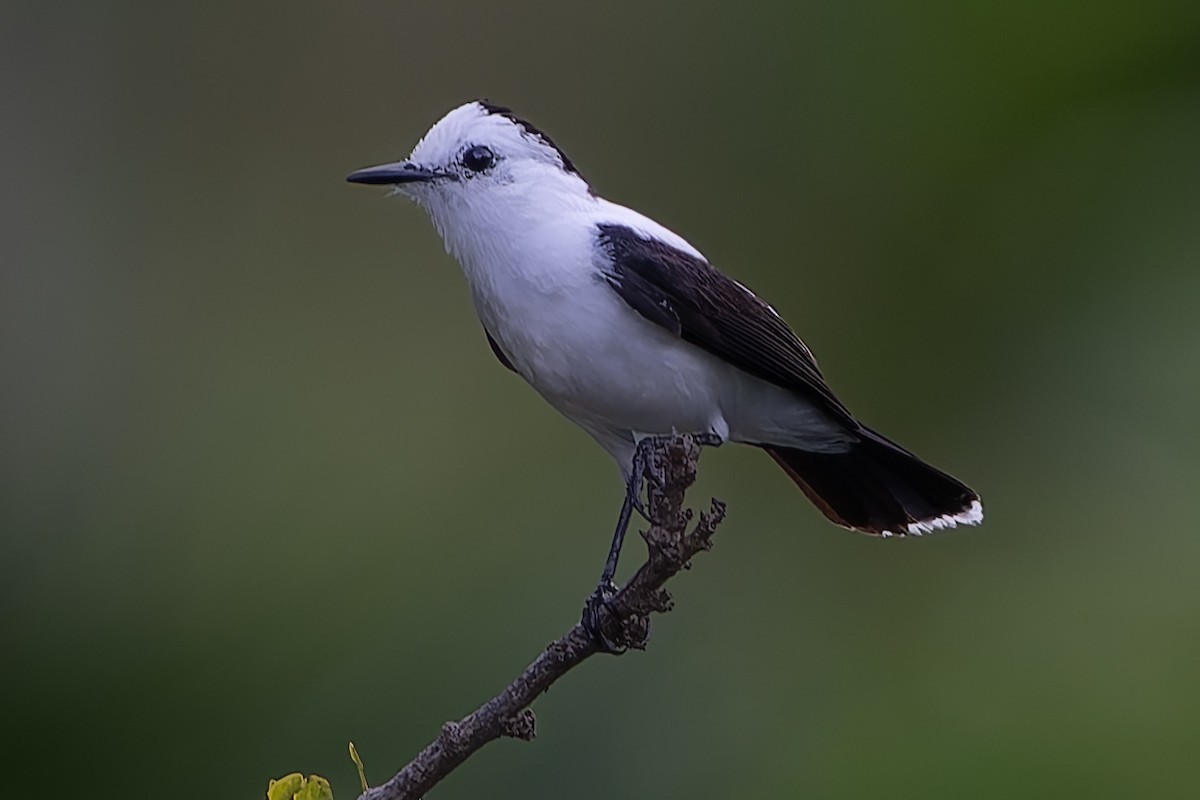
x: 286, y: 787
x: 317, y: 788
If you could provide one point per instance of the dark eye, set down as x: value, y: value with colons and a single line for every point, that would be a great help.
x: 478, y: 158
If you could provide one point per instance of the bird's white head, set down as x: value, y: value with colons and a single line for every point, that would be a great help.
x: 479, y: 167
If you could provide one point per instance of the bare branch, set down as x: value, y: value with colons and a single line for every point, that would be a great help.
x: 625, y: 622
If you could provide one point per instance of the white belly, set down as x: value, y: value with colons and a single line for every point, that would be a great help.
x: 603, y: 365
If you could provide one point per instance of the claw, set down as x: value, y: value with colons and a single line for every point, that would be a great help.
x: 592, y: 619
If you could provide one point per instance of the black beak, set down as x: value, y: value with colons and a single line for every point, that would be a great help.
x: 400, y: 172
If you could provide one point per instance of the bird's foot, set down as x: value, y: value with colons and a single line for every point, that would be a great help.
x: 708, y: 439
x: 593, y: 618
x: 642, y: 468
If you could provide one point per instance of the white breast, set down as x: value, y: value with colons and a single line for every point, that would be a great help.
x: 542, y: 296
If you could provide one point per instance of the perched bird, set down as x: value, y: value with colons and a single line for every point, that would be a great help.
x: 627, y: 330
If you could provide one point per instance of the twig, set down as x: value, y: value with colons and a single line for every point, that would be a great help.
x: 625, y: 621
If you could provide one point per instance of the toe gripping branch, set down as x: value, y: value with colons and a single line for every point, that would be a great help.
x: 667, y: 464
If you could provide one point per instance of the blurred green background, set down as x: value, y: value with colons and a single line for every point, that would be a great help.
x: 264, y: 489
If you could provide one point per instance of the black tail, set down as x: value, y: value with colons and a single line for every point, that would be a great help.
x: 879, y: 487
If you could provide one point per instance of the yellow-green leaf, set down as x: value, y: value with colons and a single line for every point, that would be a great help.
x: 317, y: 788
x: 286, y: 787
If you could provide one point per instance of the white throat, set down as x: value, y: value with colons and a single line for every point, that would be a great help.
x: 507, y: 223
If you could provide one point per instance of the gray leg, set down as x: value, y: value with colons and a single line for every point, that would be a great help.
x: 605, y: 589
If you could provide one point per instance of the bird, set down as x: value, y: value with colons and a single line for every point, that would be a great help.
x: 631, y: 333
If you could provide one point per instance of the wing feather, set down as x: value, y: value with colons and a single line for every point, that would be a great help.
x: 691, y: 298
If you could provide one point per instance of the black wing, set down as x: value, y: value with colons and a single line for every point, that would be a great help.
x: 691, y: 298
